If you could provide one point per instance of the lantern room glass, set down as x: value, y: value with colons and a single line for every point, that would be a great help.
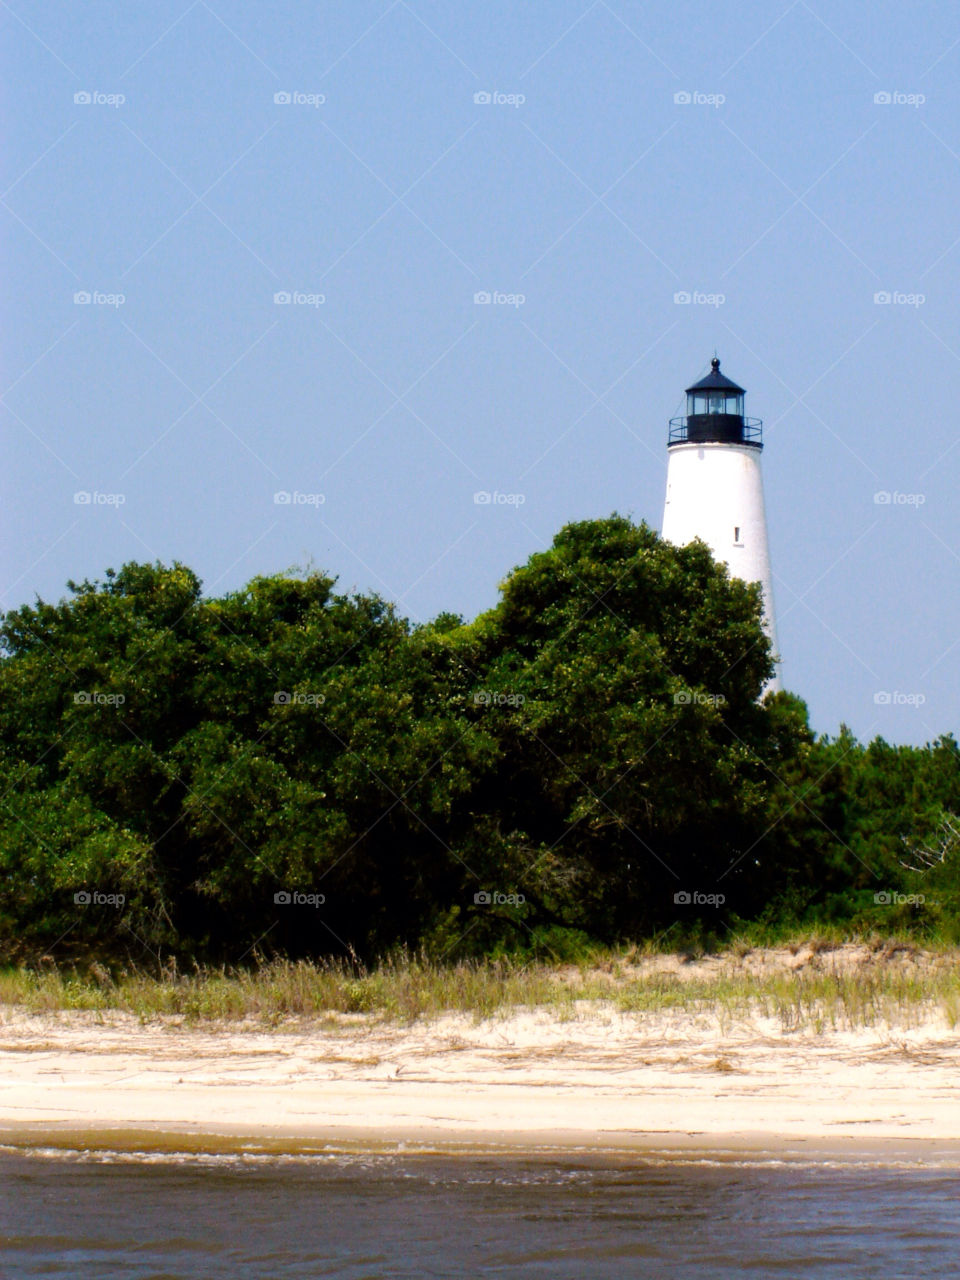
x: 715, y: 402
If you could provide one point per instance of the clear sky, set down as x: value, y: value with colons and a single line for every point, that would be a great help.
x: 776, y: 191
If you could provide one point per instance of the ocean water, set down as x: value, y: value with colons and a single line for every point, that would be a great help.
x: 173, y: 1217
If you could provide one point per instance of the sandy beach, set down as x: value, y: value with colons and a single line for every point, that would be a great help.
x: 598, y: 1079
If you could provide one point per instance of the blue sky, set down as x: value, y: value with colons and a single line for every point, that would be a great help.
x: 782, y: 196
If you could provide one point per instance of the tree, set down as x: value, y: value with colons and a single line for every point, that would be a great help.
x: 290, y: 769
x: 622, y: 676
x: 199, y: 757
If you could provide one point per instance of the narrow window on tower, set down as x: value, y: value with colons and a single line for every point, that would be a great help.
x: 736, y: 533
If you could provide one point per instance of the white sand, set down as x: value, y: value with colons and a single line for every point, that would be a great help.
x: 602, y: 1080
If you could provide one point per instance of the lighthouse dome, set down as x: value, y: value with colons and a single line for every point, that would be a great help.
x: 716, y: 381
x: 715, y: 414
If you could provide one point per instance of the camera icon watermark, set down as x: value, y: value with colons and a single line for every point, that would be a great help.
x: 94, y: 898
x: 294, y: 98
x: 685, y: 898
x: 294, y: 498
x: 493, y: 898
x: 84, y: 699
x: 894, y: 98
x: 298, y: 699
x: 897, y: 298
x: 488, y: 498
x: 94, y: 98
x: 697, y: 698
x: 895, y: 698
x: 84, y: 298
x: 295, y: 898
x: 495, y: 698
x: 94, y: 498
x: 498, y: 298
x: 494, y: 98
x: 696, y: 298
x: 687, y: 98
x: 894, y: 498
x: 294, y: 298
x: 891, y: 898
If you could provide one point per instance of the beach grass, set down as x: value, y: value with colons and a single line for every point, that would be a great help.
x: 810, y: 983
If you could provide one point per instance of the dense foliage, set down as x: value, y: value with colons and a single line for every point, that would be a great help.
x: 290, y: 770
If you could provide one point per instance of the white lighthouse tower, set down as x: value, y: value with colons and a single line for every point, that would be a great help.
x: 715, y: 488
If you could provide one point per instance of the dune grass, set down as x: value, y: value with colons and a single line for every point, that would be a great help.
x: 403, y: 989
x: 740, y: 982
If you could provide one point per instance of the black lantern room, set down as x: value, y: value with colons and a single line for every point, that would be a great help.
x: 715, y: 414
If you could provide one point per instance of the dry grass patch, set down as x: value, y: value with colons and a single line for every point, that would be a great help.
x: 835, y: 987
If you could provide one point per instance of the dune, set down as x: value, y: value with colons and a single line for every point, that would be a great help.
x: 595, y: 1078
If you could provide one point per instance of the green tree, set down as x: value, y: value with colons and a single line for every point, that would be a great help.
x: 622, y: 677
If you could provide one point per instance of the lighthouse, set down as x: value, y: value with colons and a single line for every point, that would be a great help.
x: 715, y: 486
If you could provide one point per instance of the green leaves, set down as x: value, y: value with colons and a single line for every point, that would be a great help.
x: 564, y: 765
x: 620, y: 676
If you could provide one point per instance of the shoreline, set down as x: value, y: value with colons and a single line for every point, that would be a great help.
x: 150, y: 1146
x: 665, y: 1085
x: 156, y: 1145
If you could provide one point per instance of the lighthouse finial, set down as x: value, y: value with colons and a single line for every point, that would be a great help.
x: 715, y: 364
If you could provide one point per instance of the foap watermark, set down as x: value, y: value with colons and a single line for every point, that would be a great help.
x: 890, y: 898
x: 894, y: 498
x: 295, y: 98
x: 84, y: 298
x: 697, y: 698
x: 694, y: 98
x: 686, y: 298
x: 295, y: 898
x: 896, y: 298
x: 895, y: 98
x: 495, y: 698
x: 694, y: 898
x: 294, y: 298
x: 494, y: 98
x: 493, y: 898
x: 486, y: 498
x: 94, y: 498
x: 94, y: 898
x: 284, y: 699
x: 95, y: 98
x: 497, y: 298
x: 95, y: 699
x: 895, y: 698
x: 294, y: 498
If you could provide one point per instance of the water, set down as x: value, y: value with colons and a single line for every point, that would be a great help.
x: 174, y: 1217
